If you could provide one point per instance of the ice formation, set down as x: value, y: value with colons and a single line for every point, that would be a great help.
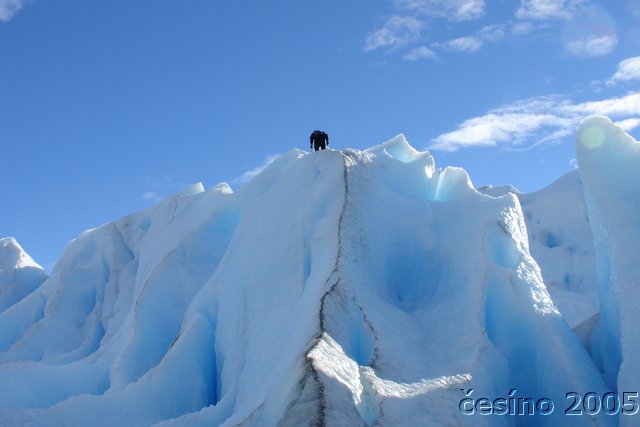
x: 609, y: 160
x: 337, y: 288
x: 19, y: 273
x: 561, y: 242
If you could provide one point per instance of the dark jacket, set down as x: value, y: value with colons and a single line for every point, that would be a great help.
x: 319, y: 138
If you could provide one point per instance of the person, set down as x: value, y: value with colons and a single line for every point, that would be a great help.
x: 318, y: 140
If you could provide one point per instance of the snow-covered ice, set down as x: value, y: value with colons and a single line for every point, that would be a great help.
x: 338, y: 288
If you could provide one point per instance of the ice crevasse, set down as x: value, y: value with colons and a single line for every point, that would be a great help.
x: 337, y: 288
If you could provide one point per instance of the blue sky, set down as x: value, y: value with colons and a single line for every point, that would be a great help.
x: 106, y: 107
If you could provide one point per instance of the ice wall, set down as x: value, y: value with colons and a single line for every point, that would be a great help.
x: 209, y: 300
x: 561, y: 242
x: 436, y: 292
x: 338, y: 288
x: 610, y: 168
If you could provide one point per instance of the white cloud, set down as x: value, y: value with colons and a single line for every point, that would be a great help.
x: 464, y: 10
x: 462, y: 44
x: 543, y: 10
x: 396, y: 32
x: 488, y: 34
x: 543, y: 119
x: 629, y: 124
x: 492, y: 33
x: 8, y: 8
x: 453, y: 10
x: 407, y: 28
x: 418, y: 53
x: 629, y: 69
x: 495, y: 128
x: 592, y: 46
x: 628, y: 105
x: 522, y: 28
x: 248, y: 175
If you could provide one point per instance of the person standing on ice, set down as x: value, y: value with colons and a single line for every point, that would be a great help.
x: 318, y: 140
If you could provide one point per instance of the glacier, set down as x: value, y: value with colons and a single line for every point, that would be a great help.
x: 337, y: 288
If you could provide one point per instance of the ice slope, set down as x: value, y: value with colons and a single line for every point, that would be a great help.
x: 337, y: 288
x: 610, y: 167
x: 561, y: 242
x: 19, y: 273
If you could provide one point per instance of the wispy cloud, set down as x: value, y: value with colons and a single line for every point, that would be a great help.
x: 591, y: 30
x: 396, y: 32
x: 544, y: 10
x: 536, y: 121
x: 406, y: 26
x: 452, y: 10
x: 629, y: 124
x: 522, y: 28
x: 248, y: 175
x: 462, y: 44
x: 8, y: 8
x: 628, y: 70
x: 592, y: 46
x: 492, y: 33
x: 617, y: 108
x: 418, y: 53
x: 488, y: 34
